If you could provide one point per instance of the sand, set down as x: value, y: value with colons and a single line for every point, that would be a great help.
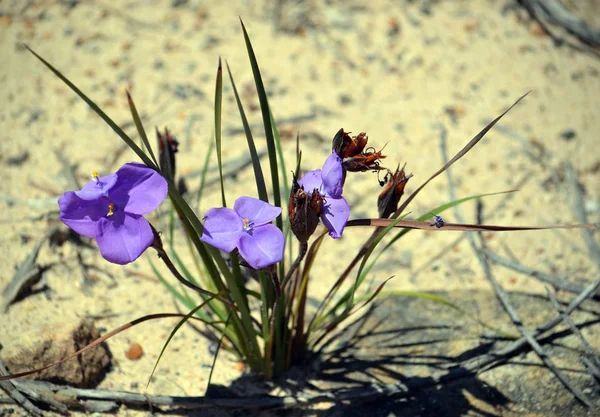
x: 381, y: 67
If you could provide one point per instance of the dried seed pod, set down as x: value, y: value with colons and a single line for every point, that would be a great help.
x: 365, y: 161
x: 355, y: 155
x: 305, y: 209
x: 167, y: 147
x: 346, y: 146
x: 387, y: 202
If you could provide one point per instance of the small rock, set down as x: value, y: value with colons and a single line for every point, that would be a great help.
x: 50, y: 342
x: 135, y: 352
x: 537, y: 30
x: 345, y: 99
x: 568, y: 134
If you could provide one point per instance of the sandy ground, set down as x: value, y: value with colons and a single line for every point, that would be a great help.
x: 381, y: 67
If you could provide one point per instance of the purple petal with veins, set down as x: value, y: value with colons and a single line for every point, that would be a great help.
x: 97, y: 188
x: 124, y: 237
x: 109, y: 209
x: 311, y: 180
x: 81, y: 215
x: 333, y: 176
x: 263, y: 246
x: 256, y: 211
x: 139, y: 189
x: 222, y: 228
x: 335, y: 216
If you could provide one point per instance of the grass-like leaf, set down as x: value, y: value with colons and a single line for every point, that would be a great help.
x: 456, y: 157
x: 99, y: 112
x: 460, y: 227
x: 203, y: 174
x: 441, y: 209
x: 212, y: 368
x: 218, y: 105
x: 140, y: 128
x: 177, y: 327
x: 258, y: 173
x: 440, y: 300
x: 264, y: 107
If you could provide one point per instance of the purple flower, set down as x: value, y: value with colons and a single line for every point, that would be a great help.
x: 328, y: 183
x: 109, y: 209
x: 247, y: 227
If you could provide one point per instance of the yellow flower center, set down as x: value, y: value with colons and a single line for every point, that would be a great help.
x: 247, y: 225
x: 111, y: 208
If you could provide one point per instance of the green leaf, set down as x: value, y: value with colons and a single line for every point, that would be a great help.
x: 264, y: 107
x: 444, y: 301
x: 439, y: 210
x: 203, y: 175
x: 181, y: 322
x: 140, y: 128
x: 99, y: 112
x: 258, y: 173
x: 360, y: 276
x: 218, y: 104
x: 212, y: 368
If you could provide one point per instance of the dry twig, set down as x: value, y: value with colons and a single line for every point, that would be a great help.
x: 502, y: 297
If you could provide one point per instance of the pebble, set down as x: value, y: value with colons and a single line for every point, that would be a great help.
x: 135, y: 352
x: 568, y: 134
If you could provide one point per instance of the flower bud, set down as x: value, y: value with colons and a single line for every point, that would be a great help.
x: 387, y: 202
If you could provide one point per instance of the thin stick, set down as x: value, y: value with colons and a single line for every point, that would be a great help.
x: 588, y: 348
x: 15, y: 394
x: 363, y: 250
x: 500, y: 294
x: 556, y: 282
x: 578, y: 208
x: 490, y: 359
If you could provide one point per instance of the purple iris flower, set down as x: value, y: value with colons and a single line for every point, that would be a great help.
x: 110, y: 209
x: 247, y: 227
x: 329, y: 182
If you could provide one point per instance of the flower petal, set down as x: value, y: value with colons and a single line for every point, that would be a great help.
x: 333, y: 176
x: 256, y: 211
x: 123, y: 237
x: 222, y: 228
x: 262, y: 247
x: 311, y: 180
x: 93, y: 189
x: 335, y: 215
x: 81, y: 215
x: 139, y: 189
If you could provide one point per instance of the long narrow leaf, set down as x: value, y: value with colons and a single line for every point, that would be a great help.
x: 203, y: 175
x: 264, y: 107
x: 456, y: 157
x: 177, y: 327
x: 212, y: 368
x: 461, y: 227
x: 99, y: 112
x: 218, y: 105
x: 258, y: 173
x: 140, y: 128
x: 440, y: 300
